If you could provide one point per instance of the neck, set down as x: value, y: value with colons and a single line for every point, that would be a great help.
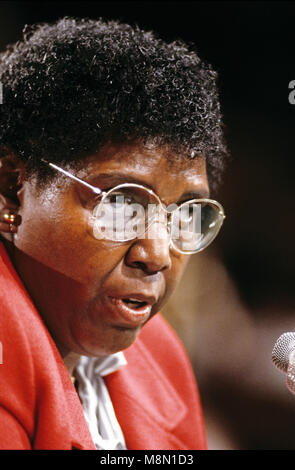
x: 71, y: 360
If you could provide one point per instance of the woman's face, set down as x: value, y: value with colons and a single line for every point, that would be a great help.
x: 78, y: 282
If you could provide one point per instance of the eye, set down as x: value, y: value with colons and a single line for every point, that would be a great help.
x: 186, y: 215
x: 120, y: 198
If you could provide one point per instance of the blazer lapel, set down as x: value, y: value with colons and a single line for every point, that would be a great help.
x: 147, y: 406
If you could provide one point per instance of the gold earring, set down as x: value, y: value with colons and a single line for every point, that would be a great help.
x: 11, y: 219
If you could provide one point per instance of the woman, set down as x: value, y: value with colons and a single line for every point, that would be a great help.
x: 111, y: 141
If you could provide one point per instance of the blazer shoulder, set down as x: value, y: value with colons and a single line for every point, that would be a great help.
x: 38, y: 400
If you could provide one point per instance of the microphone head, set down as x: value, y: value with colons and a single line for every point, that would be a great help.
x: 283, y: 347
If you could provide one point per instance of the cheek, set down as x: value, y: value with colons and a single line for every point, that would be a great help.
x: 179, y: 265
x: 59, y: 236
x: 174, y: 276
x: 53, y: 232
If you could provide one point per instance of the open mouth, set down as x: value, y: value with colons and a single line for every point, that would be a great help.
x: 130, y: 312
x: 134, y: 303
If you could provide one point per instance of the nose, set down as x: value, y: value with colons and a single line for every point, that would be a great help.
x: 152, y: 253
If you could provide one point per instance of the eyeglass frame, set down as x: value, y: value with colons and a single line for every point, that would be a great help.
x: 103, y: 194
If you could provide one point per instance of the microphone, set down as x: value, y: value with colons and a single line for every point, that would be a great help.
x: 283, y: 356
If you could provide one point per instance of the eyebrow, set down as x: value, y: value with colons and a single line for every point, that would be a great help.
x: 124, y: 178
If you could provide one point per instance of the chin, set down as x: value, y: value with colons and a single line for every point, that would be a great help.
x: 105, y: 344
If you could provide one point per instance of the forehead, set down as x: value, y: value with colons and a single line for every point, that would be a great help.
x: 159, y: 168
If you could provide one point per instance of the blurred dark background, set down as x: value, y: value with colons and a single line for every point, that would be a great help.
x: 250, y: 269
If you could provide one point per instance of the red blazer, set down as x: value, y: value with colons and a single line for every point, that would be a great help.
x: 155, y: 396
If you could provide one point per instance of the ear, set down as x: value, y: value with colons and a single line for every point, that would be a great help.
x: 12, y: 171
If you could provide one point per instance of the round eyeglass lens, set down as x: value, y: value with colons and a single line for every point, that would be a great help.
x: 124, y: 213
x: 195, y: 225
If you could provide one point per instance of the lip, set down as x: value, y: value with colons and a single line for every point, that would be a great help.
x: 125, y: 316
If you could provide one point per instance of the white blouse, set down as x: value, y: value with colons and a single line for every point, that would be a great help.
x: 97, y: 405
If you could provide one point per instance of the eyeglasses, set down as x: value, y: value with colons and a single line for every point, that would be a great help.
x: 129, y: 211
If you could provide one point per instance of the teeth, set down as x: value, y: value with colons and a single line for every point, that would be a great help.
x: 134, y: 300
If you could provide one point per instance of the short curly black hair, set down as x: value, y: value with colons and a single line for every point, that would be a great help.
x: 72, y: 86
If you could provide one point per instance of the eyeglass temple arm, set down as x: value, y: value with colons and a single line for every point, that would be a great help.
x: 61, y: 170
